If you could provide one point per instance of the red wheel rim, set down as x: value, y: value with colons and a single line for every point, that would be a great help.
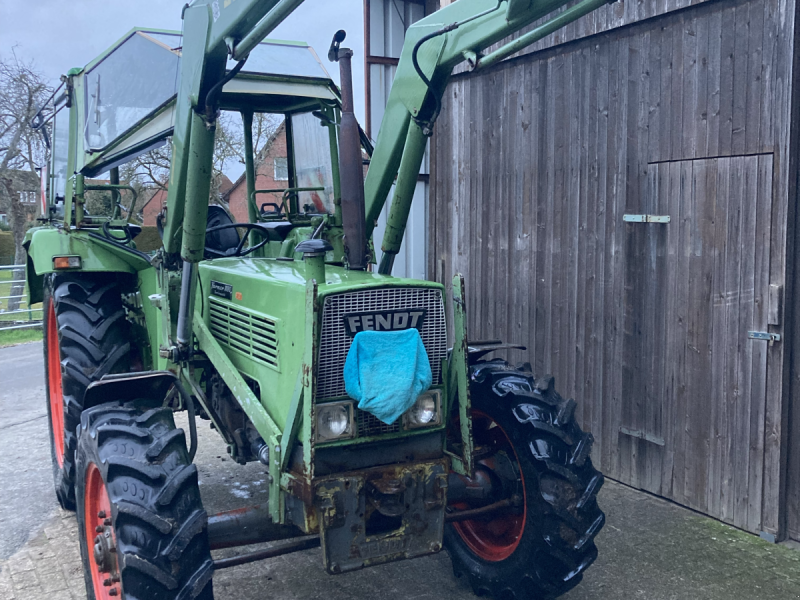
x: 56, y: 394
x: 100, y: 537
x: 495, y: 539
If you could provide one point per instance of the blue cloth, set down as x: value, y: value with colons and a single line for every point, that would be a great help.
x: 386, y: 371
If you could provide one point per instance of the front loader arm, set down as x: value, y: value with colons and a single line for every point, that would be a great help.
x: 437, y: 43
x: 213, y: 31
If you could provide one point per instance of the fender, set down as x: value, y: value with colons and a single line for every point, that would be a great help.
x: 98, y: 254
x: 129, y: 386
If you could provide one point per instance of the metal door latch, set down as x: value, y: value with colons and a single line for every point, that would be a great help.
x: 645, y: 218
x: 763, y: 335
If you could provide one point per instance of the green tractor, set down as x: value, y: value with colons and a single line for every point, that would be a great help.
x: 379, y: 441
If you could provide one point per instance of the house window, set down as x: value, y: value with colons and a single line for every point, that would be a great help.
x: 27, y: 197
x: 281, y: 169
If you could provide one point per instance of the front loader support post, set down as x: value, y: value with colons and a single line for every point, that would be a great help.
x: 249, y: 166
x: 403, y: 195
x: 198, y: 186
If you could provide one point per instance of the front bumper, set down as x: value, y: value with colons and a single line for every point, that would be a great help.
x: 381, y: 514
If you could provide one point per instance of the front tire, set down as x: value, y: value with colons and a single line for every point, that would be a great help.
x: 141, y: 523
x: 540, y: 550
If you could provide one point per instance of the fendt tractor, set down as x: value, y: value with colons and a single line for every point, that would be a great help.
x: 379, y: 441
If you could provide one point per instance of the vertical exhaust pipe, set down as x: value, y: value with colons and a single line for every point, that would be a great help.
x: 351, y: 170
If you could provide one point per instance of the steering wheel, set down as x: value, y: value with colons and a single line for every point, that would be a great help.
x: 240, y: 250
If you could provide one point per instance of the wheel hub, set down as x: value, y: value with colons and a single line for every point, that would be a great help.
x: 100, y: 534
x: 104, y: 550
x: 495, y: 537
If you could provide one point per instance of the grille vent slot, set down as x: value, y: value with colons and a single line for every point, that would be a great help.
x: 335, y: 343
x: 368, y: 424
x: 241, y: 330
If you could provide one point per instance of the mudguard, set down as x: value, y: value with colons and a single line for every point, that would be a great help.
x: 98, y: 254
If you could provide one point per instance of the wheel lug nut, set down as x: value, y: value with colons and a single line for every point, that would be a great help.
x: 115, y: 578
x: 113, y: 592
x: 107, y: 522
x: 107, y: 582
x: 101, y: 514
x: 99, y: 529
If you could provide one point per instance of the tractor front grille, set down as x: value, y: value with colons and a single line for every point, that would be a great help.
x: 334, y: 341
x: 368, y: 424
x: 252, y: 334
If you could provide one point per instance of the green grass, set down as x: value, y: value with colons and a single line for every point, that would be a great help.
x: 19, y: 336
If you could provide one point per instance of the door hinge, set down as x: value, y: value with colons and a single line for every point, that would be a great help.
x: 645, y: 218
x: 764, y: 335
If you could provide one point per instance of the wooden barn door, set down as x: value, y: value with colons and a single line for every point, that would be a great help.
x: 694, y: 383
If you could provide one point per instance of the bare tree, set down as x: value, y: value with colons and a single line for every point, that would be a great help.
x: 22, y: 92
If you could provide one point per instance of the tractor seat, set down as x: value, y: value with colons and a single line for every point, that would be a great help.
x: 277, y: 230
x: 218, y: 243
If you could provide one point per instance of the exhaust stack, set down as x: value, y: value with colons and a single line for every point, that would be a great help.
x: 351, y: 170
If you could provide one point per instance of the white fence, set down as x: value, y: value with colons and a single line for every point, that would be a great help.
x: 23, y: 316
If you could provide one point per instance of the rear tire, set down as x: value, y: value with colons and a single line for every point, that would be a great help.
x: 138, y: 492
x: 541, y: 550
x: 86, y: 336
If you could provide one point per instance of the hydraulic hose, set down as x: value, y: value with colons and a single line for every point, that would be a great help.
x: 212, y: 98
x: 427, y: 126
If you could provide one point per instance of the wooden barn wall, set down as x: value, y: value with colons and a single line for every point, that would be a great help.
x: 534, y: 164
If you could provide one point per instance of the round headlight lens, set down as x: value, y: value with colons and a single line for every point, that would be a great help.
x: 333, y: 421
x: 424, y: 410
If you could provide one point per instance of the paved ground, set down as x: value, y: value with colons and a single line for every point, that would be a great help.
x: 650, y: 549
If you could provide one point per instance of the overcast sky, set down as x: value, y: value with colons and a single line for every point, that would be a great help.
x: 60, y: 34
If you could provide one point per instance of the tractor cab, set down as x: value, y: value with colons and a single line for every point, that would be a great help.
x: 126, y: 101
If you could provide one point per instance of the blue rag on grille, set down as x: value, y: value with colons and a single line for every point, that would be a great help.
x: 386, y: 371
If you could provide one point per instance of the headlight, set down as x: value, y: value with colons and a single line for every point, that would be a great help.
x: 334, y: 421
x: 426, y: 411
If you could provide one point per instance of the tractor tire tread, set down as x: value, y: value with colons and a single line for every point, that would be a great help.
x: 94, y: 339
x: 560, y: 546
x: 159, y: 519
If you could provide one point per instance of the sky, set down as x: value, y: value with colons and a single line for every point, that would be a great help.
x: 59, y: 34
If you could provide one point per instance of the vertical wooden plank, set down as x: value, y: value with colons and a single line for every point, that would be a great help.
x: 733, y: 339
x: 600, y: 72
x: 654, y: 94
x: 784, y: 183
x: 689, y: 131
x: 680, y: 318
x: 611, y: 393
x: 758, y: 392
x: 769, y: 52
x: 671, y: 174
x: 586, y: 384
x: 699, y: 333
x: 678, y: 84
x: 666, y: 113
x: 742, y: 36
x: 741, y: 456
x: 700, y: 127
x: 584, y: 233
x: 727, y: 44
x: 713, y: 82
x: 755, y: 91
x: 544, y: 213
x: 719, y: 398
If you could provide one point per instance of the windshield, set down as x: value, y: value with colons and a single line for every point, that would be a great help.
x: 312, y: 164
